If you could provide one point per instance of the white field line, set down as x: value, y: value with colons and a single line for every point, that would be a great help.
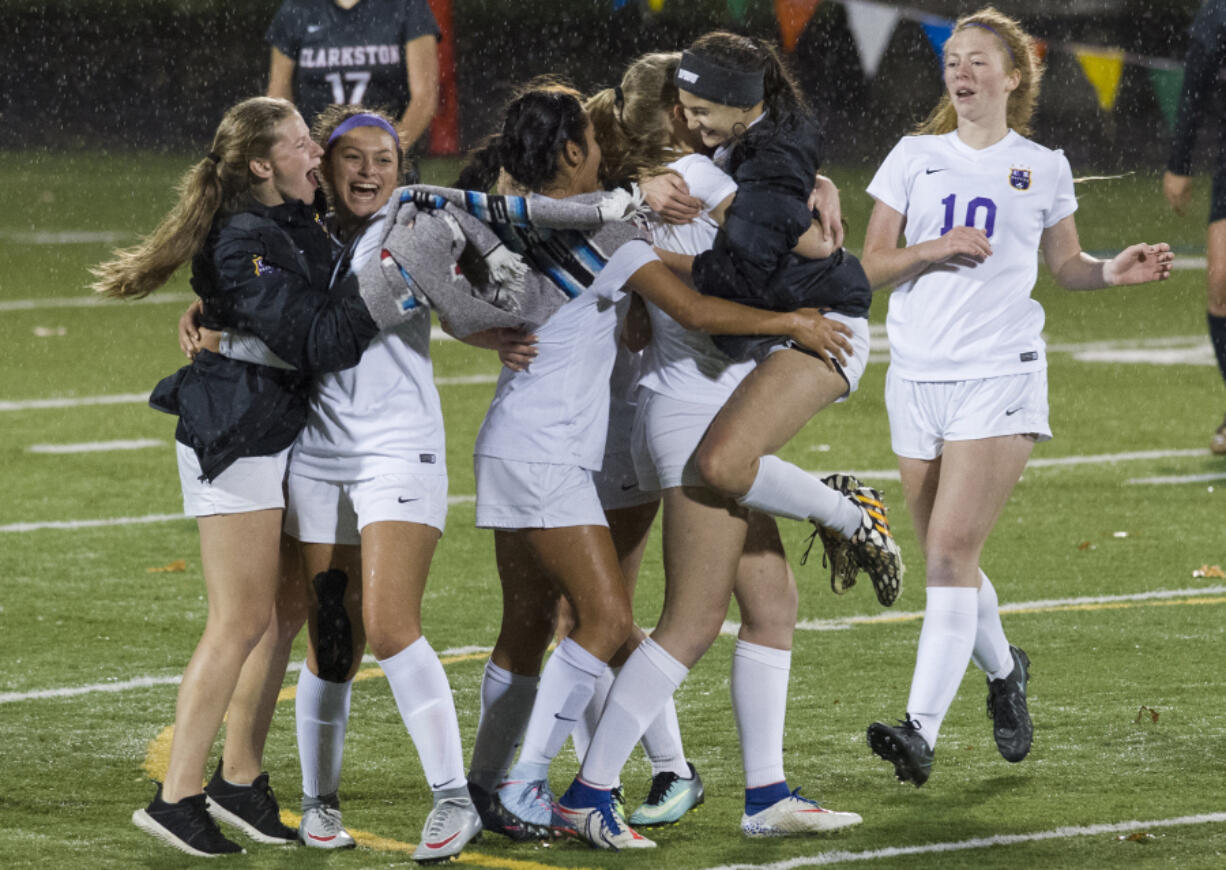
x: 881, y: 474
x: 73, y: 525
x: 96, y: 446
x: 1176, y: 479
x: 729, y: 628
x: 843, y: 856
x: 174, y: 680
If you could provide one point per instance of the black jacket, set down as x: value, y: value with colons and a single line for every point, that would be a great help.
x: 263, y: 270
x: 774, y: 166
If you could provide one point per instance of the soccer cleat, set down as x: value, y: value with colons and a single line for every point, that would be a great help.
x: 321, y: 826
x: 527, y: 805
x: 496, y: 820
x: 837, y: 549
x: 251, y: 808
x: 873, y: 547
x: 618, y: 797
x: 904, y: 747
x: 795, y: 815
x: 1217, y: 444
x: 1011, y: 723
x: 601, y: 828
x: 670, y: 798
x: 451, y: 825
x: 186, y: 825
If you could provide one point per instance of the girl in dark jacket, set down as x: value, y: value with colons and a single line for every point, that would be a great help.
x: 261, y: 262
x: 738, y: 97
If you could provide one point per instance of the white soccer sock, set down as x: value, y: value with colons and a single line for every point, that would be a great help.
x: 567, y: 683
x: 423, y: 696
x: 662, y: 743
x: 945, y: 645
x: 581, y: 737
x: 786, y: 490
x: 647, y: 680
x: 321, y: 715
x: 991, y: 654
x: 760, y: 701
x: 506, y: 704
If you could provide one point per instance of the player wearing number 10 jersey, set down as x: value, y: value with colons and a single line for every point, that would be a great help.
x: 377, y: 53
x: 966, y: 389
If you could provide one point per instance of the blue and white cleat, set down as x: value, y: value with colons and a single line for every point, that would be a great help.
x: 601, y: 828
x: 670, y: 798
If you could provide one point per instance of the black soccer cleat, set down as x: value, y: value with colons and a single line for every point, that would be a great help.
x: 904, y: 747
x: 1011, y: 725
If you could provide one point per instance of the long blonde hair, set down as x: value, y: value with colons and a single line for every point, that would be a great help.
x: 1019, y: 54
x: 633, y: 121
x: 218, y: 182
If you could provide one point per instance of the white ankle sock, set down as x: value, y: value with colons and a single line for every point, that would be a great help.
x: 506, y: 704
x: 945, y: 644
x: 321, y: 716
x: 647, y: 680
x: 567, y: 684
x: 786, y: 490
x: 759, y: 701
x: 423, y: 696
x: 991, y: 654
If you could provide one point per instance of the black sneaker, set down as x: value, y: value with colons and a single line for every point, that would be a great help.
x: 251, y: 808
x: 904, y: 747
x: 1007, y: 709
x: 497, y: 820
x: 186, y: 825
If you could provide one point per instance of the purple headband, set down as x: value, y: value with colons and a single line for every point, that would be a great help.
x: 363, y: 119
x: 992, y: 30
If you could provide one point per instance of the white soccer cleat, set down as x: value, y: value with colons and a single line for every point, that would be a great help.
x: 321, y: 828
x: 601, y: 828
x: 451, y: 825
x: 795, y: 815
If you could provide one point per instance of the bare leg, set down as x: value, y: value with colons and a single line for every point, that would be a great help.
x: 255, y: 697
x: 239, y: 554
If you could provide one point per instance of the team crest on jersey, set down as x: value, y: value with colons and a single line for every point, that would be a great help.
x: 262, y: 268
x: 1019, y: 179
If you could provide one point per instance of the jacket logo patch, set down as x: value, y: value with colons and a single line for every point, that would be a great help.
x: 1019, y: 179
x: 262, y: 268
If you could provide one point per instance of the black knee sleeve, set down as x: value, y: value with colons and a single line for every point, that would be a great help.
x: 334, y: 640
x: 1217, y: 335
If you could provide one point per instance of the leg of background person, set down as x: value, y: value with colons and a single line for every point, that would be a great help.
x: 325, y: 683
x: 1216, y: 311
x: 768, y: 599
x: 259, y: 684
x: 395, y: 563
x: 239, y: 556
x: 955, y: 502
x: 769, y: 407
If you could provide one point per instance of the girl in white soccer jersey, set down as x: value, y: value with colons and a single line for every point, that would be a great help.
x: 544, y: 436
x: 367, y: 491
x: 685, y: 382
x: 967, y: 386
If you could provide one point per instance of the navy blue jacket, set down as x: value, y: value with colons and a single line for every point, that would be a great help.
x: 264, y: 270
x: 774, y: 166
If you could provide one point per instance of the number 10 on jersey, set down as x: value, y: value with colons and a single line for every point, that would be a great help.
x: 972, y: 213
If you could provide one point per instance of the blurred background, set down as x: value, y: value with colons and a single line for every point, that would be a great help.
x: 157, y: 74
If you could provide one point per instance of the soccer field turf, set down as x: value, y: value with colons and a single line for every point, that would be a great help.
x: 101, y: 596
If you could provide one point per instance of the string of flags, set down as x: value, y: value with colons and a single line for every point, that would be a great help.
x: 872, y: 24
